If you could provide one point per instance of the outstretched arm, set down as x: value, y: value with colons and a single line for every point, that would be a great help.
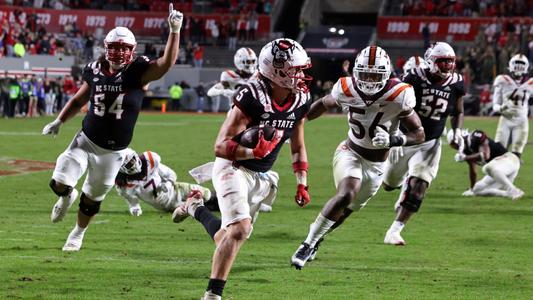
x: 163, y: 64
x: 72, y: 107
x: 299, y: 164
x: 320, y: 106
x: 457, y: 120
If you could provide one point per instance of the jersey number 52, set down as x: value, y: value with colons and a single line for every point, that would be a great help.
x: 115, y: 108
x: 432, y: 107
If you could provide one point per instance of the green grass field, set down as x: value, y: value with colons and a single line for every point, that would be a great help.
x: 458, y: 248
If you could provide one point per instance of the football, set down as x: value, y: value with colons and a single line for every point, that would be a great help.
x: 250, y: 136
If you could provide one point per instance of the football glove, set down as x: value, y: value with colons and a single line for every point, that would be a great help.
x: 381, y: 139
x: 302, y: 197
x: 175, y: 18
x: 264, y: 147
x: 52, y: 127
x: 136, y: 210
x: 459, y: 157
x: 457, y: 134
x: 395, y: 153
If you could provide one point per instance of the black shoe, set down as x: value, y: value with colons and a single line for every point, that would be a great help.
x: 301, y: 256
x: 315, y: 250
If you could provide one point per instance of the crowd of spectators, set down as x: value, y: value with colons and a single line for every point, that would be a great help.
x: 30, y: 96
x: 213, y: 6
x: 466, y: 8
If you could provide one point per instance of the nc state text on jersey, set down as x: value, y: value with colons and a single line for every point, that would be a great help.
x: 102, y: 88
x: 278, y: 123
x: 436, y: 92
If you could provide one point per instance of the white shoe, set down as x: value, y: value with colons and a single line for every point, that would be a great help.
x: 62, y: 205
x: 73, y: 244
x: 516, y: 194
x: 194, y: 200
x: 393, y: 238
x: 265, y: 208
x: 468, y: 193
x: 208, y: 295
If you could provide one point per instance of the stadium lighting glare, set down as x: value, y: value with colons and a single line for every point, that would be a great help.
x: 332, y: 29
x: 341, y: 31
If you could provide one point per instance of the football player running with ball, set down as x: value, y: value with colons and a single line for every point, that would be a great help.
x: 115, y: 86
x: 374, y: 103
x: 439, y: 92
x: 510, y: 98
x: 278, y: 98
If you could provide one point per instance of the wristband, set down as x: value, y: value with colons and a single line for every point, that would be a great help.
x: 300, y: 166
x: 231, y: 150
x: 397, y: 140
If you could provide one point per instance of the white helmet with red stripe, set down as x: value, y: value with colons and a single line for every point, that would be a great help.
x: 282, y: 61
x: 245, y: 60
x: 132, y: 163
x: 372, y: 69
x: 440, y: 58
x: 414, y: 62
x: 518, y: 65
x: 119, y: 46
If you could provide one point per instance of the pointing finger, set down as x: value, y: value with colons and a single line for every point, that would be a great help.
x: 170, y: 8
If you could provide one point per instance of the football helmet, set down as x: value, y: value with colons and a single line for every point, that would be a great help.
x: 283, y: 62
x: 119, y: 46
x: 440, y: 58
x: 245, y: 60
x: 372, y: 69
x: 518, y: 65
x: 132, y: 163
x: 414, y: 62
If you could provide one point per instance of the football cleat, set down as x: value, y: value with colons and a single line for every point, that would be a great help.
x: 194, y: 200
x: 179, y: 214
x: 315, y: 250
x: 516, y: 194
x: 73, y: 244
x: 62, y: 205
x: 394, y: 238
x: 208, y: 295
x: 301, y: 256
x: 265, y: 208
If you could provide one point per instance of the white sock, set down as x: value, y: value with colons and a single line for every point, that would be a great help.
x: 78, y: 232
x: 318, y: 229
x: 397, y: 226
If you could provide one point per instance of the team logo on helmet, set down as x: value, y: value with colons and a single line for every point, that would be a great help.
x: 281, y: 52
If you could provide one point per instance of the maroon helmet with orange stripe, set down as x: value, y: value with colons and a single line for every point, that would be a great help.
x: 372, y: 69
x: 245, y: 60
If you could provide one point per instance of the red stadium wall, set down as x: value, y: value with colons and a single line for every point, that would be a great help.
x: 462, y: 29
x: 141, y: 23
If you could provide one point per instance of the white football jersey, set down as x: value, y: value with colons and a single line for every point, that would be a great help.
x: 234, y: 79
x: 156, y: 187
x: 515, y: 95
x: 366, y: 112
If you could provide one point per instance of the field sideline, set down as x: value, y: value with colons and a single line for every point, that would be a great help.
x: 458, y: 248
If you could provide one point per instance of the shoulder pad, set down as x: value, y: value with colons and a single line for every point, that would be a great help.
x: 152, y: 158
x: 344, y: 88
x: 501, y: 79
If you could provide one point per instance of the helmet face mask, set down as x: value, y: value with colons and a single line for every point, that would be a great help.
x: 372, y: 69
x: 119, y: 46
x: 440, y: 58
x: 245, y: 60
x: 518, y: 65
x: 283, y: 62
x: 132, y: 164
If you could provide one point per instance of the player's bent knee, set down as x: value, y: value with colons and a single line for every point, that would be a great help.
x: 241, y: 230
x: 89, y: 207
x: 412, y: 202
x: 60, y: 189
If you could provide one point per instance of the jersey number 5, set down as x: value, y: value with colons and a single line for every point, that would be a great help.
x: 115, y: 108
x: 360, y: 134
x: 432, y: 108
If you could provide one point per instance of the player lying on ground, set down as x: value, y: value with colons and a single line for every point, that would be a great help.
x: 499, y: 166
x: 144, y: 178
x: 114, y: 85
